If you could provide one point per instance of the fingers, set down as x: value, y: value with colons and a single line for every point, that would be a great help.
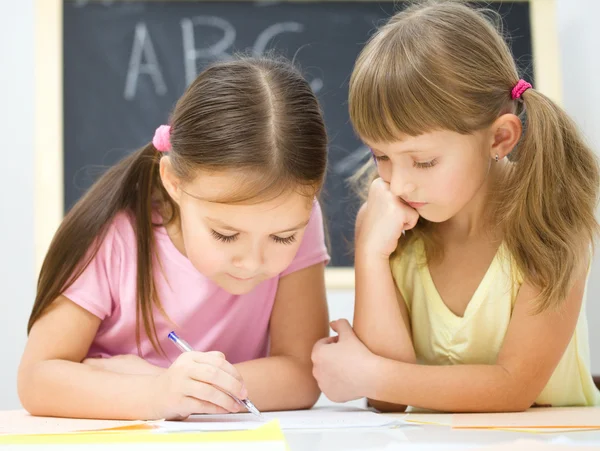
x: 212, y: 395
x: 341, y: 326
x: 330, y: 340
x: 96, y: 362
x: 216, y: 359
x: 411, y: 220
x: 219, y: 378
x: 193, y: 405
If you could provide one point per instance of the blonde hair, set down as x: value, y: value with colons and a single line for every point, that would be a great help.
x: 444, y: 66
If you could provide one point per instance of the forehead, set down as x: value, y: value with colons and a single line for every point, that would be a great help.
x: 245, y: 186
x: 208, y: 190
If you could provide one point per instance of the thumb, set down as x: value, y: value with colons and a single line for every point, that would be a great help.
x: 342, y: 326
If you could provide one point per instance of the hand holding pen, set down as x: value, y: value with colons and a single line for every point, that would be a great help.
x: 241, y: 399
x: 197, y: 382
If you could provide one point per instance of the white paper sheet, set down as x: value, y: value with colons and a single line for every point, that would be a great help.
x: 319, y: 418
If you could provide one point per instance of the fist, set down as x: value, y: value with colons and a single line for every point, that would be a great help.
x: 382, y: 220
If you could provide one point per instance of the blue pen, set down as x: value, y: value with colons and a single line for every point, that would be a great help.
x: 185, y: 347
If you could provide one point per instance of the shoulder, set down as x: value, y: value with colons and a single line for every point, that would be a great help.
x: 120, y: 232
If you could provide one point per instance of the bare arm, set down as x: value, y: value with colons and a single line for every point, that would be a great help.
x: 533, y: 347
x: 284, y: 380
x: 52, y: 381
x: 381, y: 319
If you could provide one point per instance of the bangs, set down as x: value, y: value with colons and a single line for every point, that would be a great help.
x: 397, y: 90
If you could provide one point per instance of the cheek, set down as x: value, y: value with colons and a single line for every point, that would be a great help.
x: 280, y: 257
x: 205, y: 253
x: 384, y: 170
x: 458, y: 183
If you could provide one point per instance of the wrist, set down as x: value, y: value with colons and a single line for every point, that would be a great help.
x: 373, y: 376
x: 153, y: 393
x: 368, y: 256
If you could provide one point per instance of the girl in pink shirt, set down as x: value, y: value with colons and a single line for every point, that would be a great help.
x: 211, y: 230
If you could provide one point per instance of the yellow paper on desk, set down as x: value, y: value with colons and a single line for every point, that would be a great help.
x: 270, y: 432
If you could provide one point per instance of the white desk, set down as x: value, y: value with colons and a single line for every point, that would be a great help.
x: 422, y: 437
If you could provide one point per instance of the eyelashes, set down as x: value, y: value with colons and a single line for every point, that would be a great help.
x: 224, y: 238
x: 425, y: 164
x: 288, y: 240
x: 416, y: 164
x: 231, y: 238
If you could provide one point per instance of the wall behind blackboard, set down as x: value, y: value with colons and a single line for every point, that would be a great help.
x: 127, y: 62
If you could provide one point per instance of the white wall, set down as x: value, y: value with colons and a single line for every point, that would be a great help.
x: 17, y: 276
x: 579, y: 35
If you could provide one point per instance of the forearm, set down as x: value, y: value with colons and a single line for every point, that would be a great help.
x: 377, y: 317
x: 279, y: 383
x: 454, y: 388
x: 67, y: 389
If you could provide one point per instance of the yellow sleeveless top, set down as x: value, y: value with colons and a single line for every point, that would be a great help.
x: 442, y: 338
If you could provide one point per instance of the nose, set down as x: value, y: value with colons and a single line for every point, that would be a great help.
x: 250, y: 259
x: 401, y: 184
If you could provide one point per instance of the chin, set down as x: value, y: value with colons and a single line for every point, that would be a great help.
x: 236, y: 288
x: 437, y: 218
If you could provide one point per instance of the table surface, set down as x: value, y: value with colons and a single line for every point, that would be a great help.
x: 424, y: 437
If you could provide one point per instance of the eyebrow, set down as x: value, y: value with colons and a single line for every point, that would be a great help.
x: 222, y: 225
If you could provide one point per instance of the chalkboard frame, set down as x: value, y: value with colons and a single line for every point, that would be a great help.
x: 48, y: 130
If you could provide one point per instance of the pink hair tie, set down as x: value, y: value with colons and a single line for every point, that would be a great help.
x: 519, y: 89
x: 162, y: 138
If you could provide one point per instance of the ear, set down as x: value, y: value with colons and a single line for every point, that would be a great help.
x: 506, y: 132
x: 169, y: 180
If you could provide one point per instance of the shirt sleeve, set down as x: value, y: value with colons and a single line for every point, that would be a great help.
x: 96, y: 289
x: 312, y: 250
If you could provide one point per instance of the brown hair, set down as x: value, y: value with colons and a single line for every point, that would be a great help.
x: 256, y: 115
x: 442, y: 65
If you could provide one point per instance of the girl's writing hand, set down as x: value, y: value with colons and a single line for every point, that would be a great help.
x: 196, y: 383
x: 343, y: 365
x: 385, y: 218
x: 124, y: 364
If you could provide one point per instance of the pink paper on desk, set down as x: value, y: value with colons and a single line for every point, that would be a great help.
x: 536, y: 418
x: 20, y: 422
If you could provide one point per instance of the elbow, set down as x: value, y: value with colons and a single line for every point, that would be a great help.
x: 312, y: 396
x: 517, y: 398
x: 28, y: 390
x: 518, y: 403
x: 311, y: 393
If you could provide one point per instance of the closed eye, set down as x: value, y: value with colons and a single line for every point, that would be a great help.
x: 425, y: 164
x: 287, y: 240
x: 224, y: 238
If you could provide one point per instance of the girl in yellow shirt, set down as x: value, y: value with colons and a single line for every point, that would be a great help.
x: 473, y: 246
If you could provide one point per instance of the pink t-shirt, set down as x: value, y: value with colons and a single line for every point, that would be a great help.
x: 205, y: 315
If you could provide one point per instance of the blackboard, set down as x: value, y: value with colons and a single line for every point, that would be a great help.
x: 126, y: 63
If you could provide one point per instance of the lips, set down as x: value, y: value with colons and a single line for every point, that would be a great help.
x: 243, y: 279
x: 415, y: 204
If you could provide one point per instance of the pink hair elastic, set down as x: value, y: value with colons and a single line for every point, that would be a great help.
x: 162, y: 138
x: 519, y: 89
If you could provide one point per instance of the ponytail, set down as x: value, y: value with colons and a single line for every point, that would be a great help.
x: 548, y: 199
x: 128, y: 186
